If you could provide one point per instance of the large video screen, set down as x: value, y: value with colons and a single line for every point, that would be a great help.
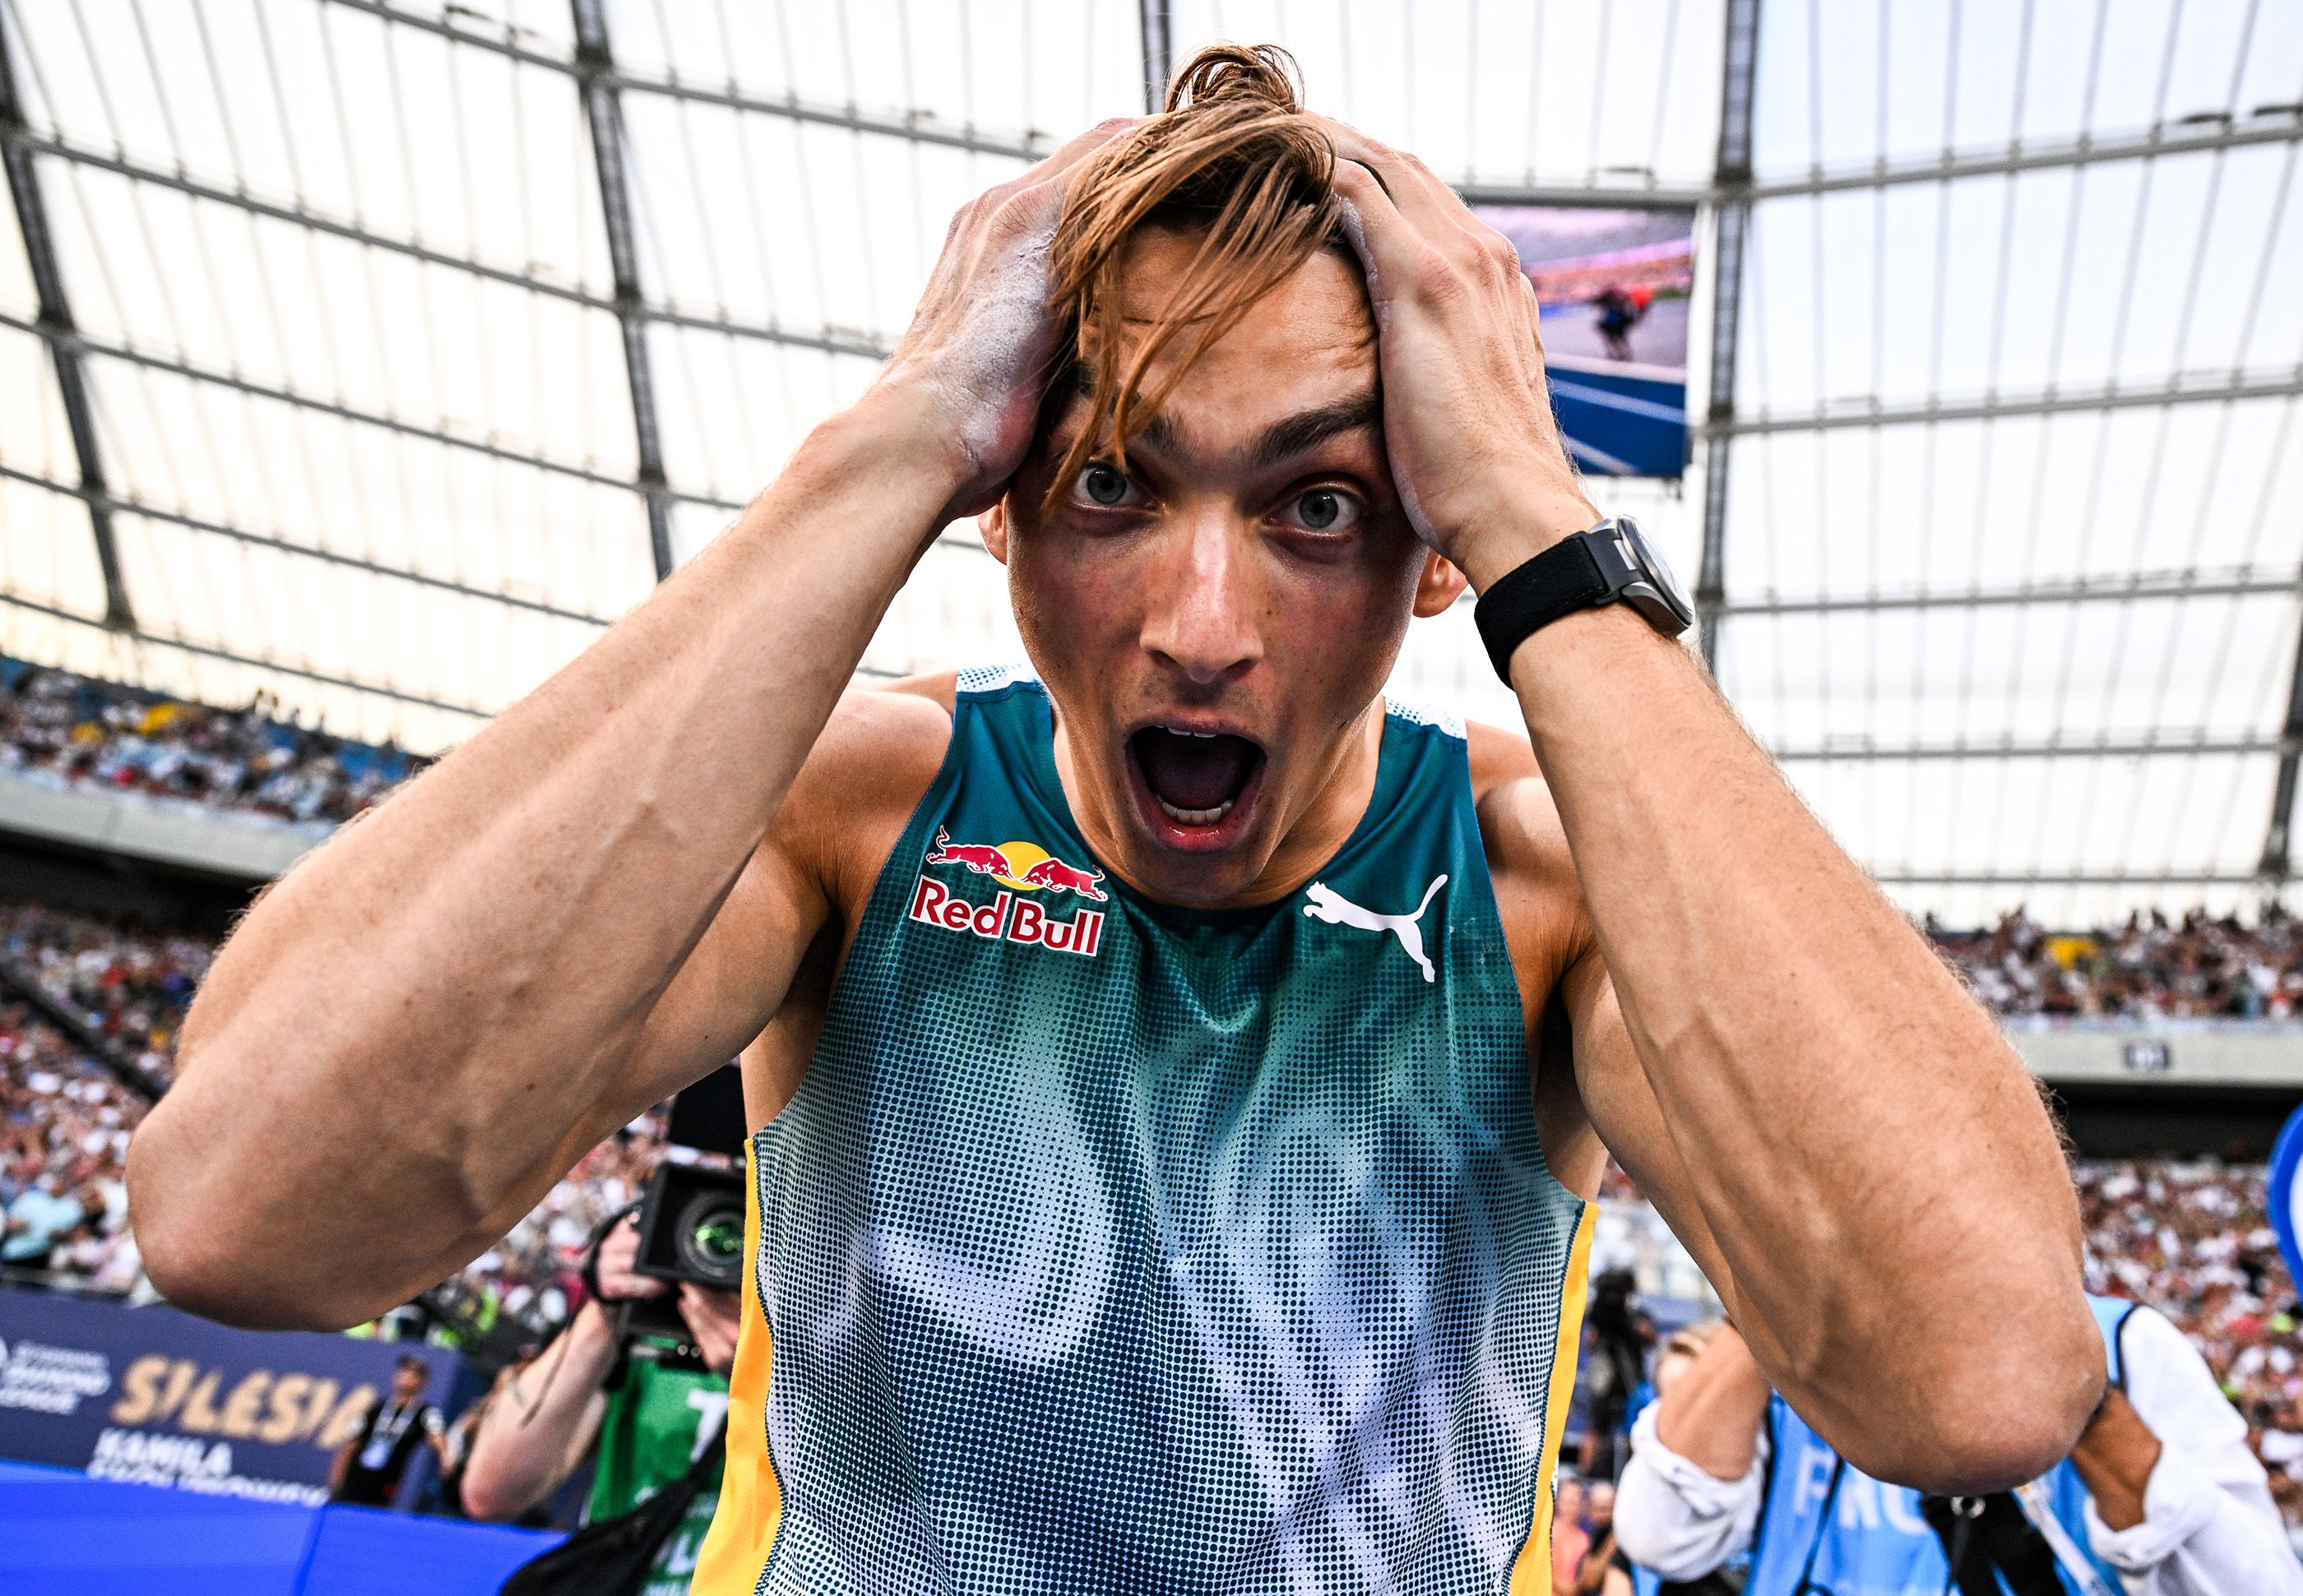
x: 1615, y: 287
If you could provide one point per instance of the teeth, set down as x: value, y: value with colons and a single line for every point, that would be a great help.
x: 1198, y: 817
x: 1183, y: 731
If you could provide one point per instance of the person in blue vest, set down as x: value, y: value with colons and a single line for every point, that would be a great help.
x: 2160, y: 1497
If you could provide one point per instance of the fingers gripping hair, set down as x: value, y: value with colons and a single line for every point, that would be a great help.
x: 1235, y: 159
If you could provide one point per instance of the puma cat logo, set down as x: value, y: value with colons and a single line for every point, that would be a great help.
x: 1332, y: 907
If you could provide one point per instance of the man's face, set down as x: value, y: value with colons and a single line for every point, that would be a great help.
x: 408, y: 1381
x: 1213, y: 624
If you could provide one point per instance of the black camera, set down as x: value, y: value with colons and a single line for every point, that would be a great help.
x: 692, y: 1226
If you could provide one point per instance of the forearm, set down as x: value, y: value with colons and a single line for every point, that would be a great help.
x: 415, y: 1032
x: 1713, y: 1413
x: 1865, y: 1148
x: 541, y: 1422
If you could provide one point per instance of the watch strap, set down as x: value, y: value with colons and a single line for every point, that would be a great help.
x: 1560, y: 581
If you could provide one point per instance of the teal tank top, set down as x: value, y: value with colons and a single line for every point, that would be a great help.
x: 1110, y: 1246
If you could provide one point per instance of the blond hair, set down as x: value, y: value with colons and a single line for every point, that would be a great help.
x: 1234, y: 157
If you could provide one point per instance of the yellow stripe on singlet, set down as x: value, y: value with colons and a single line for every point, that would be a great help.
x: 1530, y: 1573
x: 751, y: 1499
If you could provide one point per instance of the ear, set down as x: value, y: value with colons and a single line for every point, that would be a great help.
x: 1437, y: 588
x: 993, y: 525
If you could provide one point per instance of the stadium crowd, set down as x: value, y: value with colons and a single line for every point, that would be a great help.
x: 64, y: 1126
x: 2149, y: 968
x: 130, y: 987
x: 2194, y: 1241
x: 83, y: 731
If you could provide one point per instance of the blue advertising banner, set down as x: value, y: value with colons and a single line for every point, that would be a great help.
x: 2281, y: 1197
x: 156, y: 1396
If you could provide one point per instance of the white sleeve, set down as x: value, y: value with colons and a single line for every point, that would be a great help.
x: 2209, y: 1525
x: 1677, y: 1520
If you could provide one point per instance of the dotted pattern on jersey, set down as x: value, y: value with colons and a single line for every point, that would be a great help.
x: 1446, y: 721
x: 1223, y: 1261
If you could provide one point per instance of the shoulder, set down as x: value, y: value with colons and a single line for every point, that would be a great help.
x: 1537, y: 890
x: 874, y: 760
x: 880, y: 741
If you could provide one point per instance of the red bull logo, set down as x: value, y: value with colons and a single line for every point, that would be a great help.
x: 1026, y: 867
x: 1022, y: 868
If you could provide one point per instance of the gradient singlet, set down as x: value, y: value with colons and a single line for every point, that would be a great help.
x: 1110, y: 1246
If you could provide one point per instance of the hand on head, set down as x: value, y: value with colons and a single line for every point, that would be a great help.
x: 978, y: 352
x: 1475, y: 450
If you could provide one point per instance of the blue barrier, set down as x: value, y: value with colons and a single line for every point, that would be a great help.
x: 64, y: 1534
x: 1620, y: 421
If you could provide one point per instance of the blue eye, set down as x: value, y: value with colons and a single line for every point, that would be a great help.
x: 1102, y: 484
x: 1325, y: 509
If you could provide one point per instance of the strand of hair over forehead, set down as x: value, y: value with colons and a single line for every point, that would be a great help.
x: 1234, y: 155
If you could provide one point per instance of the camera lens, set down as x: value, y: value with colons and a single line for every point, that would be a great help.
x: 710, y: 1237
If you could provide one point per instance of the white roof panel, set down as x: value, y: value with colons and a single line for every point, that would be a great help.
x: 356, y: 355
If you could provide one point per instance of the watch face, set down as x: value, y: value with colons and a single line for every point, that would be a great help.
x: 1658, y: 570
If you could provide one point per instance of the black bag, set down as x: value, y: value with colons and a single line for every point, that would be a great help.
x: 614, y: 1557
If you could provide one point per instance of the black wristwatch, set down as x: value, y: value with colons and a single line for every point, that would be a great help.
x: 1612, y: 561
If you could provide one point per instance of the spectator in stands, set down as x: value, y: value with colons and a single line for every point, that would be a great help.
x: 2146, y: 969
x: 370, y: 1465
x: 1569, y: 1538
x: 41, y: 1213
x: 2160, y: 1494
x: 83, y: 731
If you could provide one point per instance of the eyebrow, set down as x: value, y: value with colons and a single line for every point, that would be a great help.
x: 1286, y: 438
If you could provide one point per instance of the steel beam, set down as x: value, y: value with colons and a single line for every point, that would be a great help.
x: 1731, y: 214
x: 2274, y: 867
x: 1158, y: 52
x: 2281, y: 125
x: 824, y: 339
x: 603, y: 114
x: 2238, y: 582
x: 2065, y: 878
x: 1643, y: 198
x: 2009, y: 749
x: 918, y: 127
x: 86, y: 346
x: 57, y: 318
x: 112, y: 505
x: 2264, y: 385
x: 208, y: 652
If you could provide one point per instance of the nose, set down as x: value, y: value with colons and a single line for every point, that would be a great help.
x: 1203, y: 617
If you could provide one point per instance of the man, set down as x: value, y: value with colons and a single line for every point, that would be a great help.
x: 369, y: 1467
x: 2160, y: 1497
x: 648, y: 1413
x: 1190, y: 1187
x: 43, y: 1213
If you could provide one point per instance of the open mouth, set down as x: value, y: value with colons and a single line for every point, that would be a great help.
x: 1195, y: 780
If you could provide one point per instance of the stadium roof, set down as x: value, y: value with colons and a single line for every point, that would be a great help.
x: 378, y: 353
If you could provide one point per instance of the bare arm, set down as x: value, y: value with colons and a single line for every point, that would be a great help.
x: 1845, y: 1131
x: 538, y: 1428
x: 1712, y: 1414
x: 419, y: 1028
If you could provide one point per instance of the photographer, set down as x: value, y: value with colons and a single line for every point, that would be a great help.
x: 652, y: 1407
